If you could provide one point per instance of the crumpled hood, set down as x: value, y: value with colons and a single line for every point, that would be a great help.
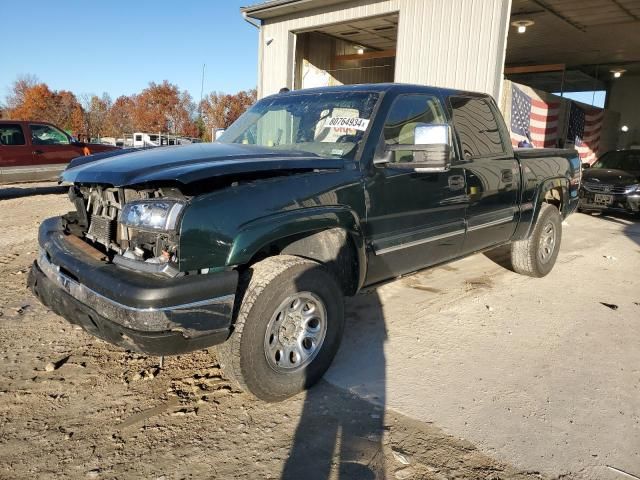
x: 610, y: 176
x: 189, y: 163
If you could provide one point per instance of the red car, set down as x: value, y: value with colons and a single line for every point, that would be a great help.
x: 34, y: 151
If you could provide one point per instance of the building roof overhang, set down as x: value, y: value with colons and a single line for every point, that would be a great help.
x: 276, y: 8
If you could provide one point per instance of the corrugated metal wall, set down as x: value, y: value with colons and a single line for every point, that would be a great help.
x: 448, y: 43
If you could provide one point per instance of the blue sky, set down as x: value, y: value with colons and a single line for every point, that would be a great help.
x: 590, y: 98
x: 120, y: 46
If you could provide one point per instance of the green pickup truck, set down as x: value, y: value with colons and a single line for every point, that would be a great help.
x: 251, y: 243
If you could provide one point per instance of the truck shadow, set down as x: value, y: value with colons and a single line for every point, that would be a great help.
x: 340, y: 434
x: 501, y: 256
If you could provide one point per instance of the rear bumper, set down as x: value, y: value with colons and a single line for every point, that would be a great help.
x: 142, y: 312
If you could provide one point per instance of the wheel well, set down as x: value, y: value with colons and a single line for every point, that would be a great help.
x: 554, y: 197
x: 333, y: 248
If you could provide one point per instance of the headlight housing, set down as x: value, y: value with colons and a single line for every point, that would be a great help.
x: 154, y: 215
x: 633, y: 188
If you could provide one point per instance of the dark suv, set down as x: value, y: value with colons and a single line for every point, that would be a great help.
x: 612, y: 183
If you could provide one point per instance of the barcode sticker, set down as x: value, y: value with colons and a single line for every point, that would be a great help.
x: 347, y: 122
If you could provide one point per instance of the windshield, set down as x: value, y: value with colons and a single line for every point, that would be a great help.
x: 629, y: 161
x: 326, y: 124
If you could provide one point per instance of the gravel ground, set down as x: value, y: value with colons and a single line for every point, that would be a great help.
x: 72, y: 406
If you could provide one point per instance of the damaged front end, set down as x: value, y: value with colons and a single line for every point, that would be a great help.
x: 134, y: 228
x: 111, y: 266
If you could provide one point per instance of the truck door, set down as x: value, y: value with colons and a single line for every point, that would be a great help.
x: 51, y: 145
x: 414, y: 219
x: 492, y: 173
x: 15, y: 152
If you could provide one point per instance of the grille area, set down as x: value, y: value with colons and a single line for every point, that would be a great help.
x: 604, y: 188
x: 102, y: 230
x: 96, y: 220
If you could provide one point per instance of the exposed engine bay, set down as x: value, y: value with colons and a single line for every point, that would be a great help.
x: 97, y: 221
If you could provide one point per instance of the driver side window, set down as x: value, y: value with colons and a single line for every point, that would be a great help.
x: 47, y: 135
x: 406, y: 113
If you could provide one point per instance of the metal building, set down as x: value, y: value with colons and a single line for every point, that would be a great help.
x: 306, y: 43
x: 550, y: 46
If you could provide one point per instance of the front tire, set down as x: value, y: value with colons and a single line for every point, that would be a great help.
x: 536, y: 255
x: 287, y: 329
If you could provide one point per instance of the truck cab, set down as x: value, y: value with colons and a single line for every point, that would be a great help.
x: 35, y: 151
x: 251, y: 243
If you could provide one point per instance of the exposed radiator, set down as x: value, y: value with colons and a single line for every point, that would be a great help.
x: 102, y: 230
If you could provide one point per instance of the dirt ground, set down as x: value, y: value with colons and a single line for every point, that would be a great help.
x: 72, y: 406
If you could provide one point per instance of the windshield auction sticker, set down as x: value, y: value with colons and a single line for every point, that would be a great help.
x: 347, y: 122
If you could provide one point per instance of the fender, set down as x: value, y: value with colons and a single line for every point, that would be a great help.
x: 530, y: 208
x: 256, y: 235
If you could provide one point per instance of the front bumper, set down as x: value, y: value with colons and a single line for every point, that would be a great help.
x: 629, y: 203
x: 141, y: 312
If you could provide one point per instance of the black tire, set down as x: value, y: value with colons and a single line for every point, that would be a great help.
x: 266, y: 285
x: 534, y: 256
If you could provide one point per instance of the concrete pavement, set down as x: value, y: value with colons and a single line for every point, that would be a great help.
x: 535, y: 372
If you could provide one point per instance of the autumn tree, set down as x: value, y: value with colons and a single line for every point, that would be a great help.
x: 66, y: 111
x: 32, y: 100
x: 221, y: 110
x: 19, y: 90
x: 96, y: 111
x: 164, y: 108
x: 33, y: 103
x: 161, y: 107
x: 120, y: 117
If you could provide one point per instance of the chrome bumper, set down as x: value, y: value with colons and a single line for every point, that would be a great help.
x: 168, y: 318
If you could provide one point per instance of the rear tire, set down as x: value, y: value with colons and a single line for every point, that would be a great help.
x: 536, y: 255
x: 287, y: 330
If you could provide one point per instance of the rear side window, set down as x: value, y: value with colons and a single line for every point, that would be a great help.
x: 11, y: 134
x: 477, y: 127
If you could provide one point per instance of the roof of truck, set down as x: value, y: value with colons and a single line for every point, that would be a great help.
x: 384, y: 88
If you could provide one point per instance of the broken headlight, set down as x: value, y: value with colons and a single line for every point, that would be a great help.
x: 153, y: 215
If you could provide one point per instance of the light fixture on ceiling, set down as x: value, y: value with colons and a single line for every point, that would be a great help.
x: 624, y: 128
x: 522, y: 25
x: 359, y: 49
x: 617, y: 72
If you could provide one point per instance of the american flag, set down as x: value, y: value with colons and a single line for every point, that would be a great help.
x: 533, y: 118
x: 584, y: 129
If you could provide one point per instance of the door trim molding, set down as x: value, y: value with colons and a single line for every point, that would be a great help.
x: 499, y: 221
x: 414, y: 243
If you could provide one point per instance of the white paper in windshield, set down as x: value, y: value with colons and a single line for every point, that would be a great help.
x: 354, y: 123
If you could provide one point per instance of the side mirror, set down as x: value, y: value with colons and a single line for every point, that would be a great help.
x: 430, y: 152
x: 586, y: 165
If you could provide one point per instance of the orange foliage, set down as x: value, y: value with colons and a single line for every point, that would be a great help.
x: 29, y: 100
x: 161, y: 107
x: 220, y: 110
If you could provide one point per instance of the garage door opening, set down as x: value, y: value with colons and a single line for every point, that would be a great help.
x: 362, y: 51
x: 573, y: 75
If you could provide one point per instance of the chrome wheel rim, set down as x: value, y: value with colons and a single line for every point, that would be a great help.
x: 296, y: 332
x: 547, y: 242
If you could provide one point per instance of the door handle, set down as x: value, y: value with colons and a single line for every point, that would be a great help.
x: 37, y: 152
x: 507, y: 176
x: 456, y: 182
